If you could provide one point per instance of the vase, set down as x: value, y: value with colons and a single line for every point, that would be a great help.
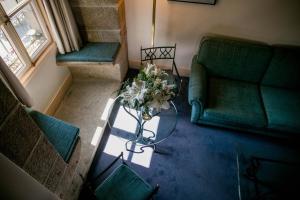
x: 146, y: 113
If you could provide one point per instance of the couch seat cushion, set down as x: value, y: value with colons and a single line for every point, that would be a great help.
x: 234, y: 103
x: 282, y: 108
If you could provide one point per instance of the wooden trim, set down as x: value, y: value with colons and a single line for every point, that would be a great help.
x: 20, y: 6
x: 26, y: 77
x: 58, y: 97
x: 183, y: 71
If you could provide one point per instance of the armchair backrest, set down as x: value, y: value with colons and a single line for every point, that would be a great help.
x: 234, y: 59
x: 284, y: 68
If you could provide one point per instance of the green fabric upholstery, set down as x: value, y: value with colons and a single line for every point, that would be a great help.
x: 234, y: 102
x: 92, y: 52
x: 124, y: 183
x: 246, y: 86
x: 239, y: 60
x: 62, y: 136
x: 197, y: 89
x: 284, y: 69
x: 282, y: 108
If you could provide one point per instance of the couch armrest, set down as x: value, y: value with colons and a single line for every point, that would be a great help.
x: 197, y: 89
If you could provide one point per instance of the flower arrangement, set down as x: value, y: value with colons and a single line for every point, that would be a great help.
x: 149, y: 90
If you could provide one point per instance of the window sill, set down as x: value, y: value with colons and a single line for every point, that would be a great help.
x: 27, y: 76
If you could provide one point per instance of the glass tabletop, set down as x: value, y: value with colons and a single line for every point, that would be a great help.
x: 128, y: 124
x: 261, y: 176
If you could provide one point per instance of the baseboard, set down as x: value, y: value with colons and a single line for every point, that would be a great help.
x: 183, y: 71
x: 59, y: 95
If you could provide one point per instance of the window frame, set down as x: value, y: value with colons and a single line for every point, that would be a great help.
x: 16, y: 42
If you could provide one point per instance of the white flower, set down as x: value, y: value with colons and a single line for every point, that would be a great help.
x: 149, y: 68
x: 157, y: 71
x: 141, y: 95
x: 157, y: 82
x: 160, y: 101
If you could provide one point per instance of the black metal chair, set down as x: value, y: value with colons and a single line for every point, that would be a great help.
x: 163, y: 53
x: 122, y: 183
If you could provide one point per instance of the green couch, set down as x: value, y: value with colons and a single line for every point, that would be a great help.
x: 246, y: 86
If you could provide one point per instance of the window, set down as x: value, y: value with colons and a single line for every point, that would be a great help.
x: 24, y: 36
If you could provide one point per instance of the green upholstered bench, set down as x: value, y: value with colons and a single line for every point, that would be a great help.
x: 97, y: 60
x: 98, y: 52
x: 61, y: 135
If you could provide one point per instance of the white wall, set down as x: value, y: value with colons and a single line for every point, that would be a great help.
x: 271, y: 21
x: 46, y: 81
x: 17, y: 184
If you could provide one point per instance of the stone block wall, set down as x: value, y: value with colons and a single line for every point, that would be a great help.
x: 100, y: 20
x: 22, y: 141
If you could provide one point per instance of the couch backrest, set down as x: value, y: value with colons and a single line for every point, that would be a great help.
x: 284, y: 68
x: 234, y: 59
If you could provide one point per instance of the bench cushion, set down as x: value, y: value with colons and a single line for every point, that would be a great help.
x: 234, y: 103
x: 62, y: 136
x: 92, y: 52
x: 282, y: 108
x: 124, y: 183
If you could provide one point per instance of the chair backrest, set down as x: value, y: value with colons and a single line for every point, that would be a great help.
x: 162, y: 53
x: 234, y: 59
x: 158, y: 53
x: 284, y: 69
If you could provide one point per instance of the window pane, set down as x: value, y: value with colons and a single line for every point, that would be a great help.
x: 9, y: 55
x: 29, y: 30
x: 9, y: 5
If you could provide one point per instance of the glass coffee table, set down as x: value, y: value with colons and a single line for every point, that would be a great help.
x: 130, y: 125
x: 264, y: 178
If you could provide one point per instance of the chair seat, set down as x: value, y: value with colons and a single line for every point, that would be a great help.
x: 282, y: 108
x: 122, y: 184
x: 234, y: 103
x: 62, y: 136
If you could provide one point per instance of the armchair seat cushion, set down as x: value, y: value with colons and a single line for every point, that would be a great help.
x: 234, y: 103
x: 282, y: 108
x: 62, y: 136
x: 124, y: 183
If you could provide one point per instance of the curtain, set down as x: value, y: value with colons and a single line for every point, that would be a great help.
x: 63, y: 25
x: 14, y: 84
x: 3, y: 17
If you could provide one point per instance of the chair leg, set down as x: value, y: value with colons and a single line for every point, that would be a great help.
x: 108, y: 167
x: 154, y: 192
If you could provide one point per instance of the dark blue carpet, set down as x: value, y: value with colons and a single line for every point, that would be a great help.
x: 198, y: 162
